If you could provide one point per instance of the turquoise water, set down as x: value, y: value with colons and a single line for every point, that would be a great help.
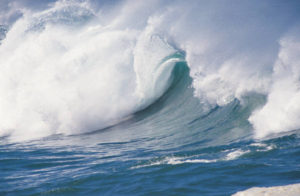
x: 148, y: 97
x: 159, y: 151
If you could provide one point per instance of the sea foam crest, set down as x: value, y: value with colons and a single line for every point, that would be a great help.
x: 282, y: 110
x: 72, y: 80
x: 71, y: 69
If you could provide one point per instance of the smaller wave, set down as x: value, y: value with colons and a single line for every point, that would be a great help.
x: 174, y: 161
x: 224, y: 155
x: 236, y: 154
x: 261, y: 147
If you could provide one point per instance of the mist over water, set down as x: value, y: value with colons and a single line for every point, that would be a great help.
x: 151, y: 84
x: 75, y: 66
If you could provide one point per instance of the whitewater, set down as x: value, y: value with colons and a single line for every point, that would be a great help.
x: 149, y: 97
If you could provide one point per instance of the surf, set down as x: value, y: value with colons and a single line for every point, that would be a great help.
x: 76, y: 69
x: 149, y: 97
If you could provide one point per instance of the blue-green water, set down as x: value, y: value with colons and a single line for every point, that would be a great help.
x: 148, y: 97
x: 159, y: 151
x: 145, y: 166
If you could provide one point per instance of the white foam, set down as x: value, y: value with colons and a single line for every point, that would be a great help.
x: 176, y: 160
x: 282, y: 110
x: 258, y: 144
x: 63, y: 78
x: 236, y: 154
x: 263, y: 147
x: 152, y: 49
x: 70, y: 68
x: 288, y: 190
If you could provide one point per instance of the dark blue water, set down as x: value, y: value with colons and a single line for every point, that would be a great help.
x: 145, y: 166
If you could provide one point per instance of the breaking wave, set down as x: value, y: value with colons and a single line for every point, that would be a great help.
x: 75, y: 67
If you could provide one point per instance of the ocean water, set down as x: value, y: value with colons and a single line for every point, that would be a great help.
x: 148, y: 97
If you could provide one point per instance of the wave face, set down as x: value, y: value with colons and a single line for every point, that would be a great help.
x: 76, y: 69
x: 175, y: 97
x: 70, y: 74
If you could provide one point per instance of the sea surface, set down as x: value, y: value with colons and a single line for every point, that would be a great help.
x: 148, y: 97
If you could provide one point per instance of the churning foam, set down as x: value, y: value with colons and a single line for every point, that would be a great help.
x: 61, y: 76
x: 282, y: 110
x: 70, y: 68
